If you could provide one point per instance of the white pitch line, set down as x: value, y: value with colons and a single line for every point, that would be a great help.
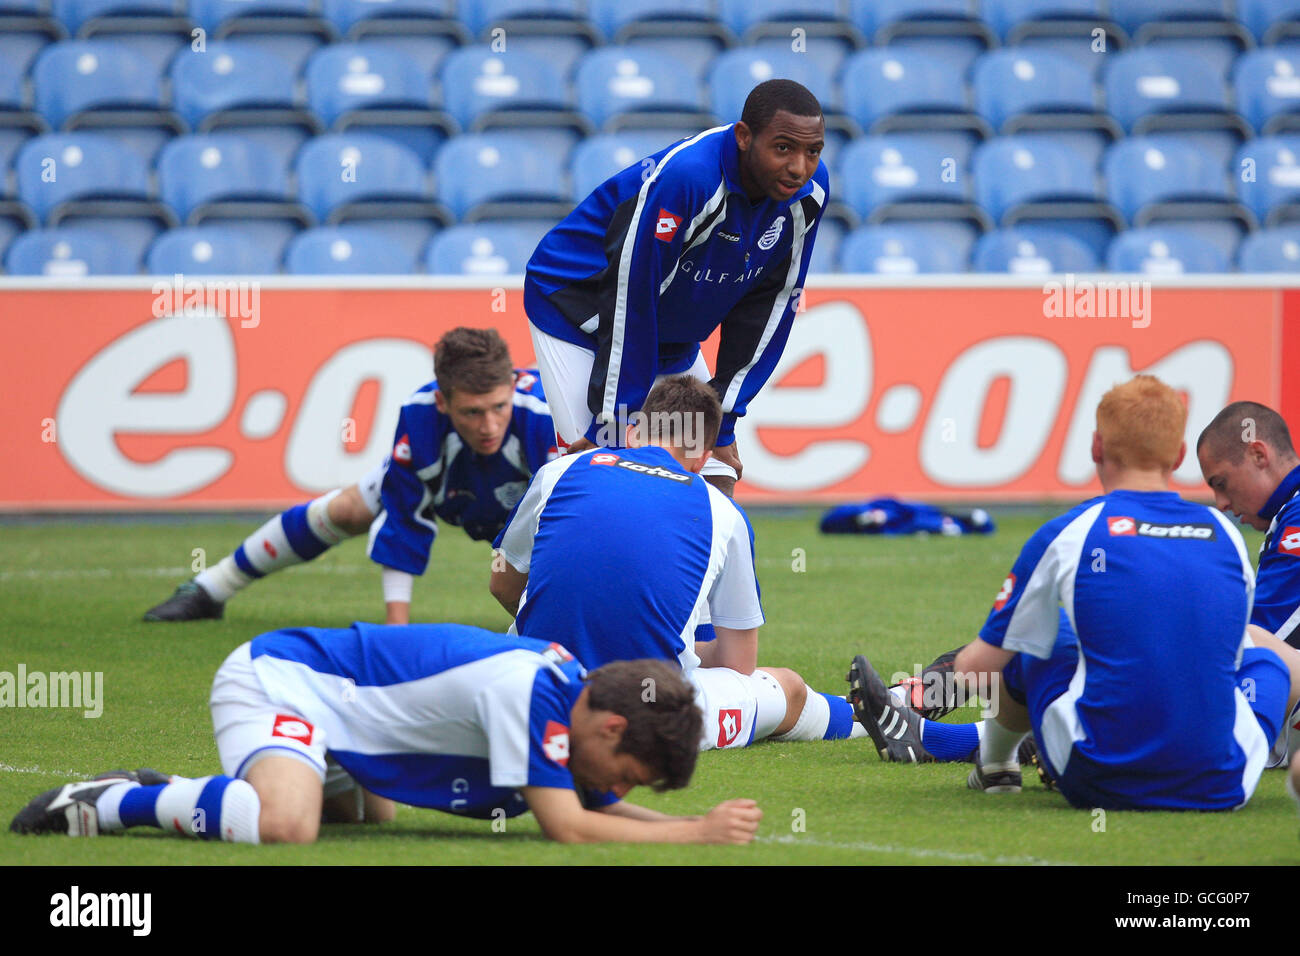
x: 5, y: 768
x: 35, y: 574
x: 921, y: 852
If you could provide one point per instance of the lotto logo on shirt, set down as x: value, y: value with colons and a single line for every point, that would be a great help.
x: 555, y: 743
x: 293, y: 728
x: 402, y: 450
x: 667, y: 225
x: 604, y: 458
x: 1289, y: 543
x: 1120, y: 526
x: 728, y: 727
x: 1004, y: 595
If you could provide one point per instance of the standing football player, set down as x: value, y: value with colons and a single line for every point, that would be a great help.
x: 714, y: 231
x: 465, y: 447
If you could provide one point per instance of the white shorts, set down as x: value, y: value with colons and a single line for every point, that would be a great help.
x: 566, y: 374
x: 738, y: 709
x: 371, y: 485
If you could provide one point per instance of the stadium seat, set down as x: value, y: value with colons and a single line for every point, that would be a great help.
x: 484, y: 175
x: 366, y: 85
x: 346, y: 250
x: 484, y: 248
x: 600, y: 157
x: 752, y: 20
x: 290, y: 29
x: 211, y: 250
x: 1267, y: 83
x: 626, y: 87
x: 1271, y: 250
x: 85, y: 84
x: 826, y: 250
x: 10, y: 229
x: 1146, y: 170
x: 556, y: 30
x: 1164, y: 251
x: 1017, y: 90
x: 58, y: 169
x: 350, y: 175
x: 1267, y: 170
x: 1032, y: 252
x: 1205, y: 27
x: 888, y: 90
x: 892, y: 177
x: 355, y: 19
x: 735, y: 73
x: 68, y: 252
x: 625, y: 20
x: 225, y: 176
x: 1151, y: 90
x: 1271, y: 21
x: 152, y: 29
x: 482, y: 89
x: 238, y: 87
x: 899, y: 249
x: 943, y: 28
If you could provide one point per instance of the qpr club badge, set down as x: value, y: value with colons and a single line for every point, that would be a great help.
x: 768, y: 239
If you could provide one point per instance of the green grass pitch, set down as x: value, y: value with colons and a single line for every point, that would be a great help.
x: 72, y: 593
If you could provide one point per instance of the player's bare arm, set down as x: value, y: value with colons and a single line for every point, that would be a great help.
x: 563, y: 819
x: 733, y: 648
x: 507, y: 583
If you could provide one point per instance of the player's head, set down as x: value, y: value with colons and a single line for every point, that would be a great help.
x: 682, y: 414
x: 1244, y: 454
x: 475, y: 386
x: 1140, y: 426
x: 635, y: 724
x: 780, y: 137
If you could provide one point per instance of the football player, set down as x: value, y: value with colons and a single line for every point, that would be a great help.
x: 344, y: 722
x: 465, y: 448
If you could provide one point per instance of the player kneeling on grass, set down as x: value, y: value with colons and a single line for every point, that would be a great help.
x: 435, y: 715
x: 1158, y: 695
x: 464, y: 450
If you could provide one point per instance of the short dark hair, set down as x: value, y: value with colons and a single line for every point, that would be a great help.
x: 663, y: 724
x: 674, y: 402
x: 771, y: 96
x: 473, y: 360
x: 1226, y: 434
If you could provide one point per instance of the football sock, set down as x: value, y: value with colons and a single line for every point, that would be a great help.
x: 824, y: 717
x: 291, y: 537
x: 949, y: 741
x: 209, y: 808
x: 999, y: 746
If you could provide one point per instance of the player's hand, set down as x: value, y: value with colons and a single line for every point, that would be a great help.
x: 728, y: 455
x: 732, y: 821
x: 582, y: 444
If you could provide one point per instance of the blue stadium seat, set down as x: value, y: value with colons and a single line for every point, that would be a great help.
x: 483, y: 175
x: 76, y: 15
x: 211, y: 250
x: 600, y: 157
x: 19, y: 48
x: 1019, y: 89
x: 1267, y: 83
x: 484, y: 248
x: 752, y: 20
x: 151, y: 29
x: 826, y: 251
x: 482, y: 89
x: 291, y: 29
x: 1271, y: 21
x: 346, y: 250
x: 1146, y: 170
x: 1268, y: 178
x: 695, y: 54
x: 366, y: 85
x: 897, y: 177
x: 355, y: 19
x: 76, y: 76
x: 1271, y: 250
x: 625, y: 20
x: 11, y: 228
x: 12, y: 139
x: 1148, y: 89
x: 1164, y: 251
x: 60, y: 168
x: 1014, y: 20
x: 735, y: 73
x: 1210, y: 21
x: 557, y: 30
x: 944, y: 28
x: 349, y: 175
x: 224, y: 175
x: 1032, y: 252
x: 899, y: 249
x: 69, y: 252
x: 887, y: 90
x: 624, y: 87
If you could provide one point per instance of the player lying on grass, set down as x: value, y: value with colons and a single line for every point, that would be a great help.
x: 435, y: 715
x: 622, y: 552
x: 1162, y: 696
x: 713, y: 232
x: 465, y: 447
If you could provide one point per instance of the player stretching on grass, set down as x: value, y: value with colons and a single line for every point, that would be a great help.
x: 713, y: 232
x: 622, y: 551
x: 436, y: 715
x: 464, y: 450
x: 1144, y: 708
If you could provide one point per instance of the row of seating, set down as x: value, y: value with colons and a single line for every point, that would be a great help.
x: 499, y: 249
